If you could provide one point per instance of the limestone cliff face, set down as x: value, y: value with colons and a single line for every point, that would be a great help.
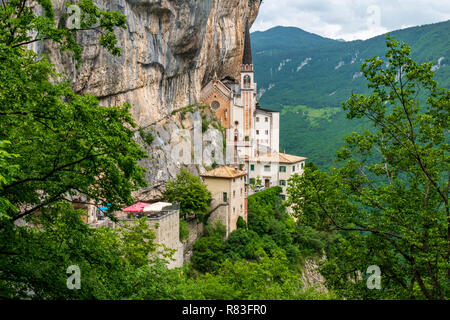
x: 171, y: 48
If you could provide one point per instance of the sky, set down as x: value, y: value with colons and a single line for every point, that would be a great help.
x: 350, y: 19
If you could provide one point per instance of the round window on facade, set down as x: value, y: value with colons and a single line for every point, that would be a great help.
x: 215, y: 105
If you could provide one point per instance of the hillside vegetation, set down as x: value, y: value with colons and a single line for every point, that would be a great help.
x: 296, y: 68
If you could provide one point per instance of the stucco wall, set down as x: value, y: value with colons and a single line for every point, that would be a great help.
x: 235, y: 188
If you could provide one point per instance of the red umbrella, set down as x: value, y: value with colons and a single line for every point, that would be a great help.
x: 136, y: 208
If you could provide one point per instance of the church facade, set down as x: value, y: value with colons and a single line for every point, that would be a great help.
x: 251, y: 130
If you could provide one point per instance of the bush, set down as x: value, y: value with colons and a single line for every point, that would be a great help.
x: 268, y: 217
x: 241, y: 224
x: 244, y: 244
x: 189, y: 191
x: 146, y: 136
x: 184, y: 230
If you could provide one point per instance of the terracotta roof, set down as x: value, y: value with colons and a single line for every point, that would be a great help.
x: 224, y: 172
x: 276, y: 157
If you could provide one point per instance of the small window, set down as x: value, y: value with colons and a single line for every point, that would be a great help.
x: 257, y: 131
x: 225, y: 197
x: 241, y: 191
x: 252, y: 181
x: 234, y: 194
x: 282, y: 169
x: 234, y: 210
x: 267, y: 132
x: 302, y: 165
x: 252, y: 167
x: 267, y: 168
x: 267, y: 119
x: 282, y: 182
x: 225, y: 114
x: 257, y: 119
x: 215, y: 105
x: 283, y: 196
x: 293, y: 168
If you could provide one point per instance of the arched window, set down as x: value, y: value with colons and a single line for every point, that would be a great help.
x: 247, y: 81
x: 215, y: 105
x: 236, y: 135
x: 225, y: 114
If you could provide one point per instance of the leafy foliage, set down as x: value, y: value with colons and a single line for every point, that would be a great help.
x: 61, y: 146
x: 184, y: 230
x: 66, y: 144
x: 270, y: 229
x: 241, y: 224
x: 146, y: 136
x: 388, y: 200
x: 269, y: 278
x: 34, y: 260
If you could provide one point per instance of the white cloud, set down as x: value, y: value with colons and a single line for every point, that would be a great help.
x: 350, y: 19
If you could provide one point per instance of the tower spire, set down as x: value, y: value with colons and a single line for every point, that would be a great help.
x: 247, y: 58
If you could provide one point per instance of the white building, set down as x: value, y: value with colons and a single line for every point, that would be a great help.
x: 254, y: 132
x: 270, y: 170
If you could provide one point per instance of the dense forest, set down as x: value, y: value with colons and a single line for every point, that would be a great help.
x: 307, y: 77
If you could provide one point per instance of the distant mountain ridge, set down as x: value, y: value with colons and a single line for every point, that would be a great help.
x: 285, y: 39
x: 307, y: 76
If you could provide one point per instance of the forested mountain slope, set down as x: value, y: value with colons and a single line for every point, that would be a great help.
x: 307, y: 77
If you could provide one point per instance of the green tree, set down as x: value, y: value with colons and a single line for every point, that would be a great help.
x: 66, y: 144
x: 269, y: 278
x: 241, y: 224
x: 190, y: 192
x: 388, y: 199
x: 60, y: 146
x: 268, y: 217
x: 34, y: 260
x: 184, y: 230
x: 208, y: 253
x: 244, y: 244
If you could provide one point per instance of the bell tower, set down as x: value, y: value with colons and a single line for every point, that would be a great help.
x: 248, y: 86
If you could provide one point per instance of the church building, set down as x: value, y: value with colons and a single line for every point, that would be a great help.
x: 254, y: 132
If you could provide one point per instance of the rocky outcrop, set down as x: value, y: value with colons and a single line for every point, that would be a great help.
x: 170, y: 50
x: 311, y: 276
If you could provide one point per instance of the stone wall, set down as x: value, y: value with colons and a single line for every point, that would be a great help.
x: 167, y: 232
